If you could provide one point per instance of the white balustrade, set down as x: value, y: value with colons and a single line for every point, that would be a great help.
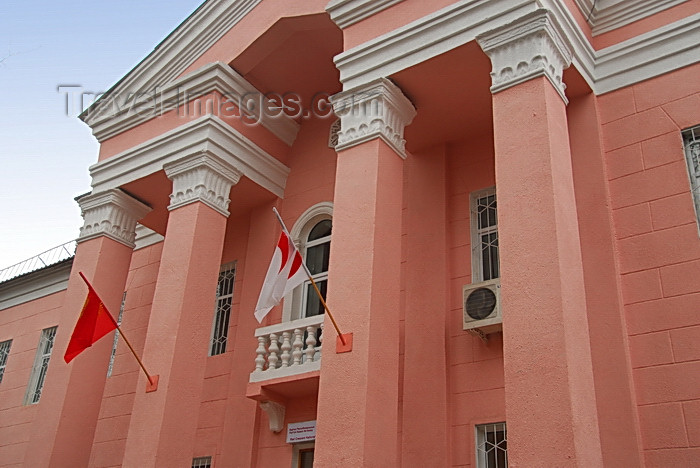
x: 288, y: 348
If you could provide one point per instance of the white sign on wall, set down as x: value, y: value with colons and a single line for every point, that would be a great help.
x: 301, y: 432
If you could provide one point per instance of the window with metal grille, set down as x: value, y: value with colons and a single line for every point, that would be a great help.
x: 4, y: 352
x: 201, y: 462
x: 691, y: 143
x: 222, y: 314
x: 116, y: 337
x: 41, y: 366
x: 484, y: 235
x: 317, y: 249
x: 491, y: 446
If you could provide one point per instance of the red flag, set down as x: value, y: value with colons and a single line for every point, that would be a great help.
x: 285, y: 273
x: 94, y: 322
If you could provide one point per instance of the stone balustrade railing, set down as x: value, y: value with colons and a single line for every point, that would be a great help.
x: 288, y: 348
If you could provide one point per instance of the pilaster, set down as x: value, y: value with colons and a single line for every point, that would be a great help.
x: 164, y: 422
x: 529, y: 47
x: 358, y: 390
x: 112, y: 214
x: 376, y: 110
x: 64, y: 426
x: 551, y: 411
x: 201, y: 178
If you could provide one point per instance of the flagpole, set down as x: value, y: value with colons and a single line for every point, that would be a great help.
x: 150, y: 379
x: 313, y: 283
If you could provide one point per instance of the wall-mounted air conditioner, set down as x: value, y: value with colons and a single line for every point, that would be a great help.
x: 482, y: 306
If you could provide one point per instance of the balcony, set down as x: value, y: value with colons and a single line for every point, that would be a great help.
x: 288, y: 349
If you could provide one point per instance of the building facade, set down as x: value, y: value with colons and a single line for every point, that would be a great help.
x: 498, y: 198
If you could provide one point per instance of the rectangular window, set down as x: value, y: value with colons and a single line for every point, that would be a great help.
x: 116, y: 337
x: 201, y: 462
x: 4, y: 352
x: 41, y: 366
x: 222, y: 314
x: 491, y: 446
x: 484, y: 235
x: 691, y: 143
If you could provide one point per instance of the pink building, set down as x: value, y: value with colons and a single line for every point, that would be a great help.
x: 512, y: 188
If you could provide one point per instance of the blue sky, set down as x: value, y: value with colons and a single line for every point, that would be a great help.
x: 44, y: 153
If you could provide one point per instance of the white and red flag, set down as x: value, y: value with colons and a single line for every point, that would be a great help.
x: 285, y: 273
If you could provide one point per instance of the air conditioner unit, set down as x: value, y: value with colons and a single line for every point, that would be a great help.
x: 482, y: 306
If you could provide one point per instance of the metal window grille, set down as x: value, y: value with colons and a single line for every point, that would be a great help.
x: 491, y: 446
x: 333, y: 134
x: 116, y: 336
x: 691, y: 143
x: 4, y: 352
x: 41, y: 365
x: 485, y: 235
x: 222, y: 314
x: 201, y: 462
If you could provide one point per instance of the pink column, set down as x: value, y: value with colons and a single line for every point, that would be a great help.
x: 64, y: 426
x: 550, y: 397
x: 358, y: 391
x: 164, y: 422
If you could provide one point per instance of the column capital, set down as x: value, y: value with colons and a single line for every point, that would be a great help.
x: 529, y: 47
x: 377, y: 109
x: 112, y: 214
x: 204, y: 178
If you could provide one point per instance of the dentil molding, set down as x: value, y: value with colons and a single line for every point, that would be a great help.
x: 113, y: 214
x: 527, y: 48
x: 376, y: 110
x: 201, y: 178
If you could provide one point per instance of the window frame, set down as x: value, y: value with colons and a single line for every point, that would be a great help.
x: 690, y: 138
x: 294, y: 304
x: 480, y: 434
x: 40, y: 368
x: 5, y: 347
x: 202, y: 462
x: 477, y: 261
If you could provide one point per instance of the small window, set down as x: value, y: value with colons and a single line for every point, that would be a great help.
x: 484, y: 235
x: 41, y: 366
x: 491, y: 446
x: 317, y: 250
x: 691, y: 142
x: 201, y: 462
x: 4, y: 352
x: 116, y: 337
x: 222, y: 314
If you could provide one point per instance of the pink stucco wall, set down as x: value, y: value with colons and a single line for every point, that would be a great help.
x: 659, y: 253
x: 23, y: 325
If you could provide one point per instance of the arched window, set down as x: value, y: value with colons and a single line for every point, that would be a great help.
x: 317, y: 252
x: 312, y: 235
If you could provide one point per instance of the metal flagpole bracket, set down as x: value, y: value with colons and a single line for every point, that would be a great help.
x: 343, y: 347
x: 152, y: 384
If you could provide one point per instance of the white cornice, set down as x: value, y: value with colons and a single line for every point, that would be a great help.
x: 201, y: 178
x: 425, y: 38
x: 180, y: 49
x: 612, y: 14
x: 208, y: 134
x: 652, y: 54
x: 660, y: 51
x: 146, y: 237
x: 34, y: 285
x: 530, y: 47
x: 111, y: 213
x: 117, y: 114
x: 347, y: 12
x: 376, y: 110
